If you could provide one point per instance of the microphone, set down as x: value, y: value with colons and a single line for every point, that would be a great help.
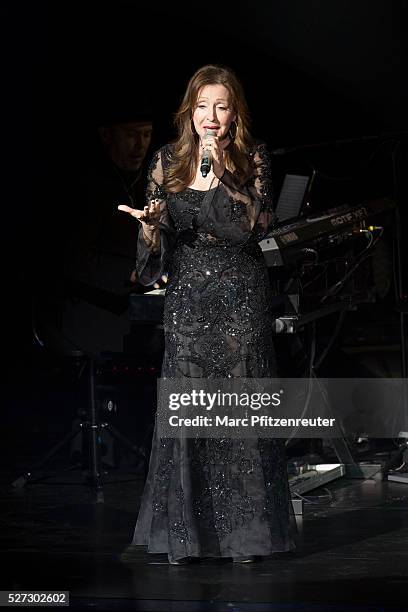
x: 206, y: 158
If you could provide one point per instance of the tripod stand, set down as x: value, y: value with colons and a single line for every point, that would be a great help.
x: 90, y: 427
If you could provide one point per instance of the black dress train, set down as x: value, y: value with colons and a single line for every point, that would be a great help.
x: 215, y: 497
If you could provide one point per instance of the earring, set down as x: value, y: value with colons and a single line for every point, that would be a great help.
x: 232, y: 132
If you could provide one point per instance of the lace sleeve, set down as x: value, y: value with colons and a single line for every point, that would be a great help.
x: 256, y: 197
x: 152, y: 262
x: 238, y: 213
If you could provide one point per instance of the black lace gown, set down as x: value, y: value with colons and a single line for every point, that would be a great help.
x: 215, y: 497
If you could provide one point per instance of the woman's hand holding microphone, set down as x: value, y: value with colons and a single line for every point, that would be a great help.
x: 216, y: 146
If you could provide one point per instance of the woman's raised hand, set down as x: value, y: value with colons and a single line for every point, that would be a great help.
x: 150, y: 215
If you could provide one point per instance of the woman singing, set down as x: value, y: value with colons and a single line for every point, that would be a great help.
x: 212, y: 497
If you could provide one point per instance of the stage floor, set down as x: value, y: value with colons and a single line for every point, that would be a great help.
x: 352, y: 552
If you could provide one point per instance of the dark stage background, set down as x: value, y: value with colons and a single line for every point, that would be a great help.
x: 314, y: 71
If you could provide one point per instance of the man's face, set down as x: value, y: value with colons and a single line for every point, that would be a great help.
x: 127, y: 143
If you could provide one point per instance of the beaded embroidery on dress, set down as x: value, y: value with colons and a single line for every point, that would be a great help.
x: 215, y: 497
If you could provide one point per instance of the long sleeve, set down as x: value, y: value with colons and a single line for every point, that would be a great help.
x: 150, y: 265
x: 238, y: 213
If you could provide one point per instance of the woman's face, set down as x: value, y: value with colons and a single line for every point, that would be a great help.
x: 213, y: 111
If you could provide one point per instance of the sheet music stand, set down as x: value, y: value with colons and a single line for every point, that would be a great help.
x: 293, y: 197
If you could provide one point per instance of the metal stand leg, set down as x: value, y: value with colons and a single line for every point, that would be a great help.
x: 94, y: 431
x: 123, y: 440
x: 22, y: 480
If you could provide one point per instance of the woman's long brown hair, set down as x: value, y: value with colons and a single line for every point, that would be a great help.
x: 183, y: 168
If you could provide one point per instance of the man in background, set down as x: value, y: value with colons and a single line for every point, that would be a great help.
x: 101, y: 249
